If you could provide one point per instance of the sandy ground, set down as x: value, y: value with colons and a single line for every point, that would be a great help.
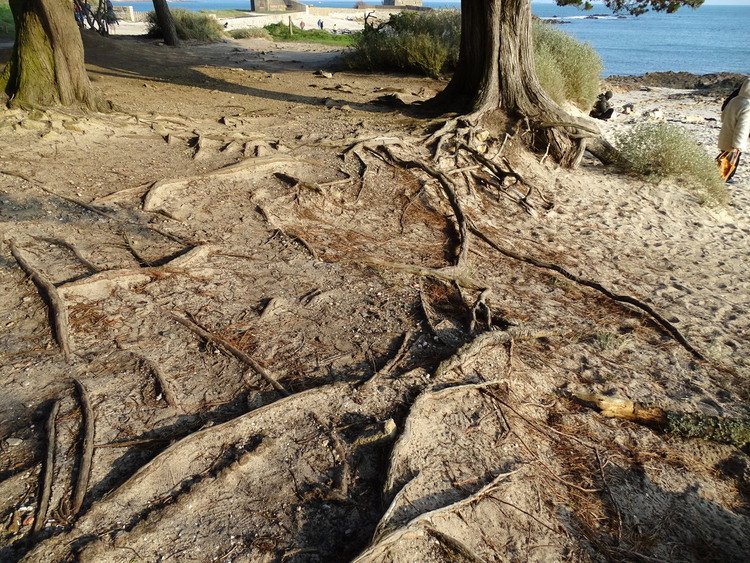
x: 271, y: 358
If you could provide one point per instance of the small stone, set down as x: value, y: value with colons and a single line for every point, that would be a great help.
x: 13, y: 441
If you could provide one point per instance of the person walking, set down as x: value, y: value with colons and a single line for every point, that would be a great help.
x: 735, y: 128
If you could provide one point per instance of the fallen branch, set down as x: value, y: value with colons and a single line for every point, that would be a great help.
x: 87, y: 448
x: 236, y: 352
x: 46, y: 488
x: 686, y: 425
x: 58, y: 310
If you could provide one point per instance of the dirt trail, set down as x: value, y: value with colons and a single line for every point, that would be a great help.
x: 280, y: 361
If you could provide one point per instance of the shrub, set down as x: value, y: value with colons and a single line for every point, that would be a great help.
x: 420, y: 42
x: 190, y: 26
x: 567, y: 69
x: 658, y: 150
x: 250, y: 33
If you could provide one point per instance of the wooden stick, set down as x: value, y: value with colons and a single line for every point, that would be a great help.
x: 87, y: 448
x: 236, y: 352
x: 58, y: 310
x: 46, y: 492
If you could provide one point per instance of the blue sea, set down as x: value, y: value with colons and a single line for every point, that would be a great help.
x: 707, y: 40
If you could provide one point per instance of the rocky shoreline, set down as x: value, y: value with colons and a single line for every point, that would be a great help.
x: 716, y: 83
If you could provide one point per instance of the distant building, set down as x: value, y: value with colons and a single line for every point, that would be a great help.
x: 402, y: 2
x: 277, y: 6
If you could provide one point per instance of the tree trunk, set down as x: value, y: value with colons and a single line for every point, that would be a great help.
x: 166, y: 23
x: 496, y: 70
x: 46, y: 67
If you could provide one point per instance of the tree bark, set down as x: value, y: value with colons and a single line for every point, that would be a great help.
x: 166, y: 23
x: 496, y: 70
x: 46, y: 67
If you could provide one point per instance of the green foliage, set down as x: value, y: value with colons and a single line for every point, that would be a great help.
x: 250, y: 33
x: 723, y: 430
x: 419, y: 42
x: 660, y: 150
x: 428, y: 43
x: 280, y: 32
x: 190, y: 26
x: 566, y: 68
x: 7, y: 27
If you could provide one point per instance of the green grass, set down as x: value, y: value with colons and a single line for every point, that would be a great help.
x: 7, y: 27
x: 280, y: 32
x: 657, y: 151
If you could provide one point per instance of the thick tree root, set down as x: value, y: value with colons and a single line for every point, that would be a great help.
x: 48, y: 471
x: 87, y: 449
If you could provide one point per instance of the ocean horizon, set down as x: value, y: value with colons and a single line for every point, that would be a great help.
x: 710, y: 39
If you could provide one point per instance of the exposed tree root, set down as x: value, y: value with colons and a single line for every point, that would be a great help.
x: 406, y: 343
x: 236, y: 352
x: 58, y: 310
x: 449, y: 273
x: 164, y: 387
x: 664, y: 323
x: 87, y: 449
x: 384, y: 537
x: 45, y: 189
x: 450, y: 193
x: 48, y: 471
x: 486, y: 339
x: 77, y: 253
x: 466, y: 226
